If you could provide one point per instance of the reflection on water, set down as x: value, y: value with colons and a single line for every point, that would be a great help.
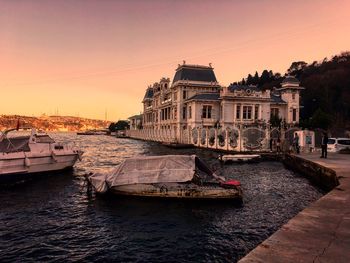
x: 53, y: 219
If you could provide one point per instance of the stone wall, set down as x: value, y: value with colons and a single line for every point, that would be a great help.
x: 322, y: 176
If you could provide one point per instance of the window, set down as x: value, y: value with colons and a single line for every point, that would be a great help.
x: 275, y: 112
x: 294, y: 114
x: 331, y: 141
x: 184, y: 94
x: 344, y: 141
x: 206, y: 112
x: 165, y: 114
x: 238, y: 111
x: 247, y: 112
x: 184, y: 113
x: 256, y: 112
x: 221, y: 112
x: 293, y: 96
x: 189, y: 112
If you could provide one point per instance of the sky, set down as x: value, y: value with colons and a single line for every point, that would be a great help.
x: 95, y: 58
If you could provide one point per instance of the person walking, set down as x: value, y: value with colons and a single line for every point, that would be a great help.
x: 271, y: 143
x: 296, y: 143
x: 324, y: 143
x: 278, y: 145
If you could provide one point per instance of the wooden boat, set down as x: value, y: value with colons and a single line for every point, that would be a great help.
x: 239, y: 158
x: 36, y: 153
x: 169, y: 176
x: 92, y: 132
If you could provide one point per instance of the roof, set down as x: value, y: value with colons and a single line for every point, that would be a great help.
x: 148, y: 94
x: 194, y: 73
x: 233, y: 87
x: 205, y: 96
x: 135, y: 117
x: 290, y: 79
x: 277, y: 99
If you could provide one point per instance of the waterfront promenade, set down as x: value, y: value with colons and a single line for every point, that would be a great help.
x: 319, y: 233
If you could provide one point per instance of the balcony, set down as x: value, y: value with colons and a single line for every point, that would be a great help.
x: 165, y: 101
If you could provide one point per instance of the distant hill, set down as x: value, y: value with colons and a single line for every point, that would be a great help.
x: 52, y: 123
x: 326, y: 99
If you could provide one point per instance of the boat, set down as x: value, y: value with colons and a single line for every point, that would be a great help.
x: 167, y: 176
x: 92, y: 132
x: 22, y: 155
x: 121, y: 134
x: 239, y: 158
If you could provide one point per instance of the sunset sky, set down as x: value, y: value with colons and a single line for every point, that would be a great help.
x: 86, y: 57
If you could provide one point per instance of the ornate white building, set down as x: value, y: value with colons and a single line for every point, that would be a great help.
x: 195, y: 99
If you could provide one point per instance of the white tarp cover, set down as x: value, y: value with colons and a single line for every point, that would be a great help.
x: 147, y: 170
x: 99, y: 182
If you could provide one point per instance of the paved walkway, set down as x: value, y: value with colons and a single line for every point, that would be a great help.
x: 319, y: 233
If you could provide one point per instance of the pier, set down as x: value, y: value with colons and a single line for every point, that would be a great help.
x: 321, y: 232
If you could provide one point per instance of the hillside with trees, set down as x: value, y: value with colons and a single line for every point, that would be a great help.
x: 51, y: 123
x: 325, y: 101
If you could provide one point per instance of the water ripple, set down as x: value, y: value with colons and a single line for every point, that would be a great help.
x: 53, y: 219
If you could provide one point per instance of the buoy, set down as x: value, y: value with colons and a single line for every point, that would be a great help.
x: 53, y: 155
x: 80, y: 153
x: 231, y: 183
x: 26, y: 161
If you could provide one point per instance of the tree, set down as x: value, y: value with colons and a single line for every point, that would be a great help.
x: 265, y: 77
x: 256, y: 78
x: 121, y: 125
x: 249, y: 80
x: 111, y: 127
x: 275, y: 120
x: 320, y: 119
x: 296, y: 68
x: 277, y: 75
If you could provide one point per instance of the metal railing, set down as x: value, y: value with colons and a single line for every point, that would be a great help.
x: 233, y: 138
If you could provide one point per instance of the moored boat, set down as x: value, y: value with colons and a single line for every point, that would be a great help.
x: 92, y: 132
x: 22, y: 155
x: 169, y: 176
x: 121, y: 134
x: 239, y: 158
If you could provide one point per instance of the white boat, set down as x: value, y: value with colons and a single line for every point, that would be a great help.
x: 238, y: 158
x: 168, y: 176
x: 34, y: 153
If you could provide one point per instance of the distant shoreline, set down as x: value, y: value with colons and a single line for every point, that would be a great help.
x: 53, y: 123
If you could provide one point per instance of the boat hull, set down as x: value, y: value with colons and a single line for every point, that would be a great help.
x: 16, y: 166
x: 179, y: 191
x: 240, y: 158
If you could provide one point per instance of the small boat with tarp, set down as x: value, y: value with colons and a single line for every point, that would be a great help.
x: 168, y: 176
x: 22, y: 154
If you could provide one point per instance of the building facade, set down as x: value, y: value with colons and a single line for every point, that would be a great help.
x: 195, y: 99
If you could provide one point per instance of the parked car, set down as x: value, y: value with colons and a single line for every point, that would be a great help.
x: 337, y: 144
